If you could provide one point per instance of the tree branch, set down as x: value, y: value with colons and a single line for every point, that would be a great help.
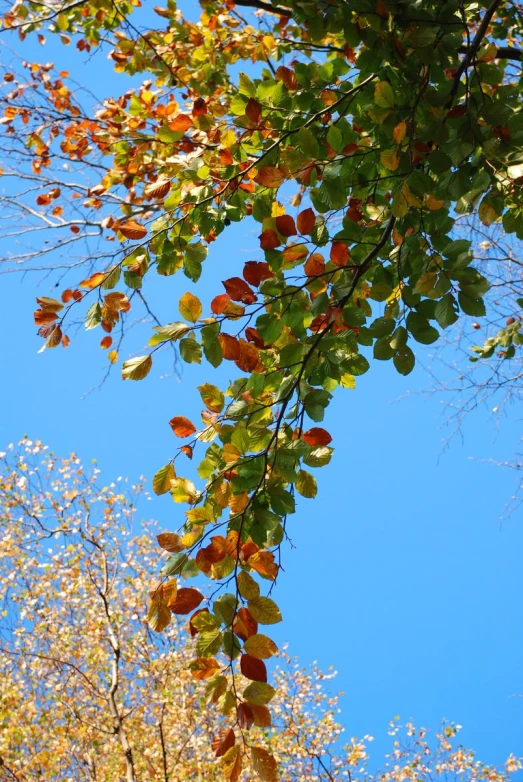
x: 280, y: 10
x: 472, y: 50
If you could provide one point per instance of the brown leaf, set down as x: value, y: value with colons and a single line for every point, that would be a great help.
x: 269, y: 239
x: 244, y: 625
x: 314, y: 265
x: 285, y: 225
x: 170, y: 541
x: 132, y: 229
x: 253, y: 669
x: 253, y: 111
x: 262, y: 716
x: 264, y: 764
x: 317, y: 436
x: 181, y: 122
x: 295, y: 253
x: 256, y: 271
x: 106, y: 342
x: 158, y: 189
x: 232, y: 764
x: 248, y: 358
x: 187, y: 450
x: 204, y: 667
x: 270, y: 177
x: 306, y: 221
x: 223, y: 741
x: 339, y: 253
x: 288, y: 77
x: 238, y: 290
x: 186, y: 601
x: 230, y: 347
x: 264, y: 564
x: 181, y: 426
x: 245, y: 716
x: 219, y: 303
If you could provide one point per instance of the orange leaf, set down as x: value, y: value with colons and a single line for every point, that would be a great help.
x: 170, y: 541
x: 223, y: 741
x: 187, y: 450
x: 42, y: 317
x: 253, y: 669
x: 181, y: 426
x: 248, y: 358
x: 256, y: 271
x: 230, y: 347
x: 285, y: 225
x: 262, y: 716
x: 269, y: 239
x: 317, y: 436
x: 264, y: 564
x: 186, y: 601
x: 67, y: 295
x: 295, y: 253
x: 270, y: 177
x: 132, y: 229
x: 159, y: 189
x: 204, y: 667
x: 315, y: 265
x: 93, y: 281
x: 339, y: 253
x: 181, y: 122
x: 306, y: 221
x: 219, y: 303
x: 106, y: 342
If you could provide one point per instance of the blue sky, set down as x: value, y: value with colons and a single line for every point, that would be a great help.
x: 402, y: 576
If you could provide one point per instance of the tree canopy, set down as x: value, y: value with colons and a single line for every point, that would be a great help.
x: 356, y: 135
x: 89, y: 692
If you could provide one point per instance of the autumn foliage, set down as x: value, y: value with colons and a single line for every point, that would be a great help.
x: 355, y: 136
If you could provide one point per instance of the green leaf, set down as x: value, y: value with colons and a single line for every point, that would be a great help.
x: 384, y: 95
x: 447, y: 311
x: 209, y: 643
x: 404, y: 360
x: 191, y: 351
x: 306, y: 484
x: 162, y: 479
x: 259, y: 693
x: 137, y: 368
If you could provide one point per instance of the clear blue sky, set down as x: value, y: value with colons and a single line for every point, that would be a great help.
x: 402, y: 577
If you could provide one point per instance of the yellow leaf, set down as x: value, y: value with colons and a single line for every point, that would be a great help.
x: 231, y: 764
x: 159, y: 615
x: 190, y: 307
x: 260, y: 646
x: 162, y: 479
x: 264, y: 764
x: 389, y: 159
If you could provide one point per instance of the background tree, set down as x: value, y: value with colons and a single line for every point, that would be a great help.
x: 89, y: 692
x: 383, y: 122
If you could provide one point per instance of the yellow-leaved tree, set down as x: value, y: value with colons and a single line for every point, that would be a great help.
x: 88, y: 691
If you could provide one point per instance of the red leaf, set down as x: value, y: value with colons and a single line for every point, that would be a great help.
x: 220, y: 303
x: 106, y: 342
x: 269, y: 239
x: 285, y: 225
x: 306, y: 221
x: 253, y: 111
x: 223, y: 741
x: 199, y: 107
x: 230, y: 347
x: 314, y: 265
x: 181, y: 426
x: 186, y: 601
x: 339, y: 253
x: 256, y: 271
x: 248, y: 358
x: 317, y: 436
x: 253, y: 669
x: 238, y: 290
x: 350, y: 149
